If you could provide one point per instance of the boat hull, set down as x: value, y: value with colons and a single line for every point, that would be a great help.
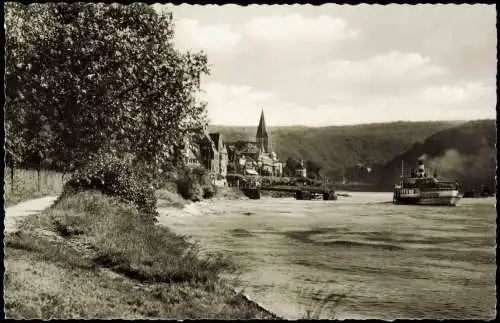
x: 252, y: 193
x: 439, y: 201
x: 414, y: 197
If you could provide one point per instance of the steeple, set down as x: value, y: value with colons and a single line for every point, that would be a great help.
x: 262, y: 137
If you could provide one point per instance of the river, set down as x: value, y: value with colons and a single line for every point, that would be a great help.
x: 387, y: 261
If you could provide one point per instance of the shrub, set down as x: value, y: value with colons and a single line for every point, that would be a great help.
x: 209, y: 191
x: 117, y: 177
x: 194, y: 184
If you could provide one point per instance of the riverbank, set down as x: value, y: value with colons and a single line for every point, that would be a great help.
x: 90, y: 256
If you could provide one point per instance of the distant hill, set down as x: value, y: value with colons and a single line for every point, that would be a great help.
x: 465, y: 153
x: 335, y: 147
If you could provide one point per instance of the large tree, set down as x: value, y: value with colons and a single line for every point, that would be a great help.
x: 291, y: 165
x: 313, y: 169
x: 81, y: 78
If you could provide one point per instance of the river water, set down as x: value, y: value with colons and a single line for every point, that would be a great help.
x: 387, y: 261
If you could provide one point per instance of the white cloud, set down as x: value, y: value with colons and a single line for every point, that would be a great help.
x: 401, y: 67
x: 217, y: 38
x: 234, y: 104
x: 449, y: 102
x: 458, y: 93
x: 339, y: 65
x: 241, y: 105
x: 296, y: 28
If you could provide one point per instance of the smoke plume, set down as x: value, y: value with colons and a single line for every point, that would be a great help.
x: 450, y: 162
x: 468, y: 170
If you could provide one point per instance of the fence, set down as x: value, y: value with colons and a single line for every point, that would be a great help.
x: 21, y: 184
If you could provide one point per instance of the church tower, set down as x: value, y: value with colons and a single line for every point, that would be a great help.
x: 262, y: 137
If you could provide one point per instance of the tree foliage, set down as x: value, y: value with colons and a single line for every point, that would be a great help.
x: 194, y: 184
x: 291, y: 165
x: 118, y: 177
x: 82, y: 78
x: 466, y: 153
x: 313, y: 169
x: 336, y: 147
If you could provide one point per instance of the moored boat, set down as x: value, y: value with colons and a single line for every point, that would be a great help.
x: 421, y: 189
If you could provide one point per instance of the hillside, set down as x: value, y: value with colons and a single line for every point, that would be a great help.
x: 335, y: 146
x: 465, y: 153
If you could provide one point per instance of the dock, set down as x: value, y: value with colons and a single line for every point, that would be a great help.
x: 252, y: 186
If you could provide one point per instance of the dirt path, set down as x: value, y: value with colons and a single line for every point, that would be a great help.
x: 16, y: 213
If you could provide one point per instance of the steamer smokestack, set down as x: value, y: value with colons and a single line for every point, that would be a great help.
x: 420, y: 167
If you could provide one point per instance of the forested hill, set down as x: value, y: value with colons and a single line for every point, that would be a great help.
x: 335, y: 146
x: 465, y: 153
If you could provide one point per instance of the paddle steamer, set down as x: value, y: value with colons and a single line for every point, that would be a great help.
x: 422, y: 189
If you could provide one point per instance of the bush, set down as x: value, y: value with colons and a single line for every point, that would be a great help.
x: 209, y: 191
x: 117, y: 177
x: 194, y: 184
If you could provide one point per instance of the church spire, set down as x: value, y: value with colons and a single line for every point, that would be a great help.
x: 262, y: 137
x: 261, y: 130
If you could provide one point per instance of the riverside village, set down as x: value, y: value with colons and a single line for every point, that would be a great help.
x: 245, y: 164
x: 228, y: 162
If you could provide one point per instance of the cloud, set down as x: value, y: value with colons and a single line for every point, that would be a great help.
x: 297, y: 29
x: 241, y: 105
x: 216, y: 38
x: 235, y: 104
x: 343, y: 65
x: 458, y: 93
x: 456, y: 101
x: 393, y: 67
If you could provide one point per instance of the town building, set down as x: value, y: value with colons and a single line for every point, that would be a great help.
x: 209, y: 156
x: 216, y: 155
x: 210, y: 153
x: 301, y: 170
x: 255, y: 157
x: 221, y: 159
x: 191, y: 154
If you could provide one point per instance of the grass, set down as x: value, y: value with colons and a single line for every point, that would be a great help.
x: 26, y: 185
x: 169, y: 198
x: 322, y: 304
x: 229, y: 193
x: 90, y: 256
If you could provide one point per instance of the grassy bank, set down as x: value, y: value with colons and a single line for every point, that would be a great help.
x: 229, y: 193
x: 169, y: 198
x: 25, y: 185
x: 90, y: 256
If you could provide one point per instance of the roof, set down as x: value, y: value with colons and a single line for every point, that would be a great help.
x: 261, y: 130
x: 215, y: 136
x: 251, y: 172
x: 206, y: 141
x: 249, y: 159
x: 249, y: 148
x: 267, y: 160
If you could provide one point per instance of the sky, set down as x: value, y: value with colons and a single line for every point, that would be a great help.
x: 341, y: 64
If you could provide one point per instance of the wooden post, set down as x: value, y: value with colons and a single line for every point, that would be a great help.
x: 38, y: 173
x: 39, y: 168
x: 12, y: 177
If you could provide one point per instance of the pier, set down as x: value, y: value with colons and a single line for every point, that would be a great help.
x: 304, y: 189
